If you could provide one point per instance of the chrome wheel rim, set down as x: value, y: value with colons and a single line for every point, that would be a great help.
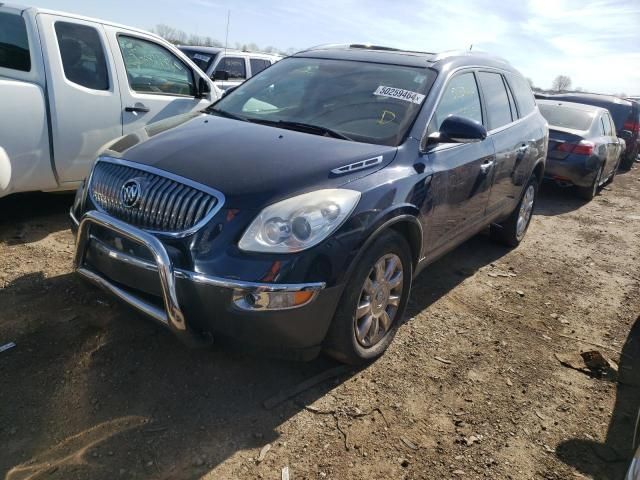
x: 379, y: 300
x: 526, y: 209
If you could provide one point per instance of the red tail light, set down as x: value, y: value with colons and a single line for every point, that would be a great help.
x: 631, y: 126
x: 582, y: 148
x: 565, y: 147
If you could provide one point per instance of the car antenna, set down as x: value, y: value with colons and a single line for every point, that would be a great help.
x: 226, y: 40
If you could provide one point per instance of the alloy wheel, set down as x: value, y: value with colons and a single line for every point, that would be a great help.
x: 379, y: 300
x: 526, y: 209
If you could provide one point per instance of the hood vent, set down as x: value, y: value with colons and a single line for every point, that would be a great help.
x: 352, y: 167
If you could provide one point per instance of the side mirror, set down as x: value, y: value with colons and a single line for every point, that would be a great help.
x: 229, y: 90
x: 626, y: 134
x: 455, y: 129
x: 221, y: 75
x: 203, y: 87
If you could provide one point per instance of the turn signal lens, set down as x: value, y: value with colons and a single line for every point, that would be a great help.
x: 271, y: 300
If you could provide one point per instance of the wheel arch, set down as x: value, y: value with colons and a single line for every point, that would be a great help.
x: 538, y: 170
x: 403, y: 221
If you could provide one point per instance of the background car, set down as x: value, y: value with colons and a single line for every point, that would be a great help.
x: 229, y: 68
x: 625, y: 115
x: 584, y: 150
x: 70, y: 84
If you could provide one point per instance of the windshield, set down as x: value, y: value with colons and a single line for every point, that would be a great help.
x: 566, y: 117
x: 202, y: 59
x: 366, y: 102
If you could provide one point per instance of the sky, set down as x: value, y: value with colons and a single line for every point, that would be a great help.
x: 595, y: 42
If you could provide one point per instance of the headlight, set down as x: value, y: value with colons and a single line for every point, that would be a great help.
x: 300, y: 222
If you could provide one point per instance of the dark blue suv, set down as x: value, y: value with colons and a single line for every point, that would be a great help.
x: 295, y: 212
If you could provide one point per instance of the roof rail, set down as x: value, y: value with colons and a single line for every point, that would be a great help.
x: 466, y: 53
x: 364, y: 46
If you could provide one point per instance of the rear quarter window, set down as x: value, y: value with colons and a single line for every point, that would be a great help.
x: 524, y: 96
x: 14, y: 43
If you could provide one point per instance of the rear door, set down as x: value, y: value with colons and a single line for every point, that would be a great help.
x: 613, y: 145
x: 83, y: 91
x: 509, y: 139
x: 460, y: 175
x: 156, y: 82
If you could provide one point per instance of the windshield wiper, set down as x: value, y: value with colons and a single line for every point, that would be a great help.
x: 307, y: 127
x: 224, y: 113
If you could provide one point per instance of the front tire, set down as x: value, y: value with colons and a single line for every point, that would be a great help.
x: 512, y: 230
x: 373, y: 303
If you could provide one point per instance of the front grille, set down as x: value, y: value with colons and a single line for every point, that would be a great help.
x: 161, y: 204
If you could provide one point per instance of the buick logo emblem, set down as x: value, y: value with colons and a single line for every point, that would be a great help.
x: 131, y: 193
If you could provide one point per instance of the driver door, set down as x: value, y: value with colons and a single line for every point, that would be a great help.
x: 462, y: 178
x: 155, y: 83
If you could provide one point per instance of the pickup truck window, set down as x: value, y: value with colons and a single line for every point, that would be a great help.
x: 82, y: 55
x: 234, y: 66
x: 14, y: 43
x: 258, y: 64
x: 153, y: 69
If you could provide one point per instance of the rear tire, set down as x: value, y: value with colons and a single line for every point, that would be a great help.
x: 512, y: 230
x: 373, y: 302
x: 588, y: 193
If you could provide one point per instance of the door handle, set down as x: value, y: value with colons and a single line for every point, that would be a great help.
x: 137, y: 108
x: 486, y: 166
x: 523, y: 148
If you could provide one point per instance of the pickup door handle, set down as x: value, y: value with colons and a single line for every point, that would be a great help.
x: 523, y: 148
x: 137, y: 108
x: 484, y: 168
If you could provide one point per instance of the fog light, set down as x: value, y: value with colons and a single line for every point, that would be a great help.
x: 271, y: 300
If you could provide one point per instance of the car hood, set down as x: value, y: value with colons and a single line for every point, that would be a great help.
x: 251, y: 164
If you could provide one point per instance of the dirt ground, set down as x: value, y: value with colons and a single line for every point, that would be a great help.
x: 471, y: 387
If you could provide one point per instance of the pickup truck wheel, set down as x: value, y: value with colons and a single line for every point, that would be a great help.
x: 512, y: 230
x: 373, y: 303
x: 588, y: 193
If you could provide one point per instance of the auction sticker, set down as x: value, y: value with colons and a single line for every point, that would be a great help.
x: 199, y: 56
x: 400, y: 94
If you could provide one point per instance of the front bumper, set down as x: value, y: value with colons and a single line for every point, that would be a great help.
x: 193, y: 305
x: 573, y: 170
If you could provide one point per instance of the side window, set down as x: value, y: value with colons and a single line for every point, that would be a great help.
x: 154, y: 69
x: 14, y: 43
x: 523, y: 94
x: 459, y: 98
x: 82, y: 55
x: 258, y: 64
x: 496, y: 99
x: 512, y: 102
x: 234, y: 66
x: 612, y: 126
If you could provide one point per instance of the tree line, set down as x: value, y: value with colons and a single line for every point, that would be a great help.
x: 180, y: 37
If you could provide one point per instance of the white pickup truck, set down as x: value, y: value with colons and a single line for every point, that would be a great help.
x: 70, y: 84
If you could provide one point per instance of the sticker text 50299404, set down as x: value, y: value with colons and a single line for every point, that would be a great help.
x: 400, y: 94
